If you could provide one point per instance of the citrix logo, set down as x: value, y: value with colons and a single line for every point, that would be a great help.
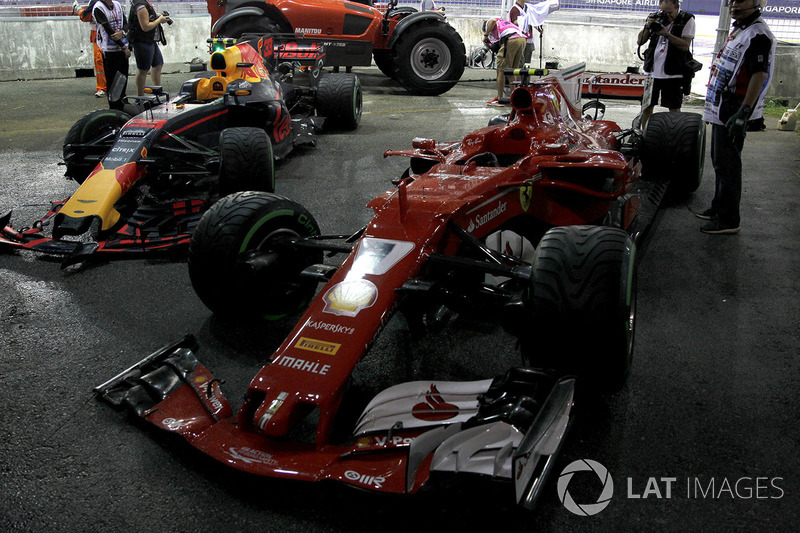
x: 585, y: 509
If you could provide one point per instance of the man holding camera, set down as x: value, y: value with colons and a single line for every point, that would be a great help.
x: 145, y: 34
x: 670, y: 32
x: 739, y: 79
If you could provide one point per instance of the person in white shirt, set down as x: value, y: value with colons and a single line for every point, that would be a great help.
x: 670, y: 32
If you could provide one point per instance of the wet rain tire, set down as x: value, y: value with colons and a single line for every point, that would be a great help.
x: 673, y: 148
x: 241, y: 227
x: 246, y: 161
x: 339, y: 99
x: 584, y: 304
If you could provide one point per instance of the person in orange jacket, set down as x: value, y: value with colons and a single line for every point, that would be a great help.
x: 85, y: 14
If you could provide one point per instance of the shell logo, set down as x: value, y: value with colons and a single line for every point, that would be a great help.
x: 347, y: 298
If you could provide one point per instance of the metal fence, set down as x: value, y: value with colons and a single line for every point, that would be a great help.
x: 783, y: 16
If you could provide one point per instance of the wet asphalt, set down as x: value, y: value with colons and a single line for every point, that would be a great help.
x: 704, y: 436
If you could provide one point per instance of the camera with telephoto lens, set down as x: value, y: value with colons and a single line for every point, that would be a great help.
x: 659, y: 21
x: 166, y: 14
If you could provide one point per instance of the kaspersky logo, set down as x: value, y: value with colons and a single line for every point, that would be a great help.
x: 582, y: 507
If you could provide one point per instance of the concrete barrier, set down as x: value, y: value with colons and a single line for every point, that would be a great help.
x: 58, y: 47
x: 34, y: 49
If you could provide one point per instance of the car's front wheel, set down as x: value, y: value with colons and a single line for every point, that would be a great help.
x: 584, y: 304
x: 89, y: 139
x: 241, y: 260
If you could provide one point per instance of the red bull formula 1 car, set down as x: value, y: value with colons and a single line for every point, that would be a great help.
x: 452, y: 234
x: 146, y: 179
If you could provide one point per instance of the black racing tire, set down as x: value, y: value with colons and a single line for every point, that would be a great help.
x: 385, y: 63
x: 239, y: 26
x: 584, y: 304
x: 429, y: 58
x: 89, y: 129
x: 243, y: 226
x: 246, y: 162
x: 673, y: 148
x: 340, y: 100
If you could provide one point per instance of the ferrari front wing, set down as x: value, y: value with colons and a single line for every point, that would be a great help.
x: 509, y: 428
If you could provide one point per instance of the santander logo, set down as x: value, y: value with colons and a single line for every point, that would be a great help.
x: 434, y: 408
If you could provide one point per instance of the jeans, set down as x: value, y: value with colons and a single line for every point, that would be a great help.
x: 726, y: 155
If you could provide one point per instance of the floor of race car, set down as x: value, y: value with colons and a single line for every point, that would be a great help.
x: 704, y: 436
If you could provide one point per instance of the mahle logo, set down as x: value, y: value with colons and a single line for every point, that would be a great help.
x: 590, y: 508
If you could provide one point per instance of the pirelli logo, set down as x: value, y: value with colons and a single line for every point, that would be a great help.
x: 313, y: 345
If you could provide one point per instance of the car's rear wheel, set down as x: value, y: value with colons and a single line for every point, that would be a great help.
x: 339, y: 99
x: 89, y: 139
x: 673, y: 148
x: 241, y: 263
x: 246, y: 161
x: 429, y: 58
x: 584, y: 304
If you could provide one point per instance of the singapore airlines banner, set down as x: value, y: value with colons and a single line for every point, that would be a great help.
x: 774, y: 9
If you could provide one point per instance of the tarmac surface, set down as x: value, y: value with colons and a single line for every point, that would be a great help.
x: 704, y: 436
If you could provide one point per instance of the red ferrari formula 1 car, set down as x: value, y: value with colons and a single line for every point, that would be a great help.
x: 453, y: 234
x: 146, y: 179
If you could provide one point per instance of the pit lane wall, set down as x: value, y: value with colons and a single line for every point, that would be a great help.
x: 57, y: 47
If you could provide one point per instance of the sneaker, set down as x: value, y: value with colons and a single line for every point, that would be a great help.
x: 715, y: 228
x: 708, y: 214
x: 100, y: 94
x: 495, y: 102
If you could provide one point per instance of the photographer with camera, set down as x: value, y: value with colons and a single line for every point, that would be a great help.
x: 670, y: 32
x: 145, y: 33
